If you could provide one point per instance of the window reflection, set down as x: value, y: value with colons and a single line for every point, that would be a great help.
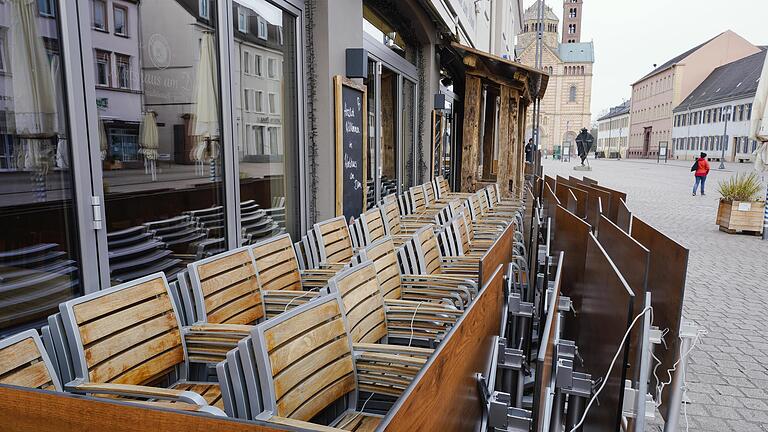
x: 38, y: 243
x: 156, y: 66
x: 266, y: 133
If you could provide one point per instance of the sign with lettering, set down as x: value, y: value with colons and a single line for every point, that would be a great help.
x: 351, y: 129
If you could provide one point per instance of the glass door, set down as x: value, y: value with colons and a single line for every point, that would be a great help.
x: 153, y: 97
x: 40, y: 245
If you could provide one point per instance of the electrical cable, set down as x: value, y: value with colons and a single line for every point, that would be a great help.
x: 610, y: 368
x: 358, y: 414
x: 298, y: 297
x: 413, y: 318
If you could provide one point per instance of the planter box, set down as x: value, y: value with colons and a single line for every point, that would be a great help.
x: 738, y: 216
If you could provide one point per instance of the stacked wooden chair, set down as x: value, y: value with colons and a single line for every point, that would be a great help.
x: 395, y: 285
x: 127, y: 341
x: 306, y: 363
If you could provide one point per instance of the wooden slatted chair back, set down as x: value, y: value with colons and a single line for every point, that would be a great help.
x: 305, y: 358
x: 334, y: 240
x: 429, y: 193
x: 373, y: 224
x: 384, y: 256
x: 493, y: 197
x: 428, y: 250
x: 363, y: 303
x: 391, y: 216
x: 462, y: 231
x: 226, y: 288
x: 25, y: 363
x: 276, y: 264
x: 442, y: 186
x: 482, y: 201
x: 418, y: 199
x: 128, y: 334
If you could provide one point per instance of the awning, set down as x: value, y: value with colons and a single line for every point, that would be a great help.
x: 505, y: 70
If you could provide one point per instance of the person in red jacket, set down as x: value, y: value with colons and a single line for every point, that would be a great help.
x: 702, y: 170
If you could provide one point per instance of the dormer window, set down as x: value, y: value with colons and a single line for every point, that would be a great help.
x: 262, y: 28
x: 242, y: 21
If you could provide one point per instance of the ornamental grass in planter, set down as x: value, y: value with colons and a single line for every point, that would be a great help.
x: 739, y: 209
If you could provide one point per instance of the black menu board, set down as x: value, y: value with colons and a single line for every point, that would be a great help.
x: 351, y: 118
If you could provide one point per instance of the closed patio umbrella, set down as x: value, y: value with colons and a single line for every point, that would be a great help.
x: 206, y: 116
x: 149, y: 143
x: 34, y: 100
x: 103, y: 143
x: 758, y: 131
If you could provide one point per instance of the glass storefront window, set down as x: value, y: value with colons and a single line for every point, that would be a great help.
x: 388, y: 151
x: 158, y: 105
x: 266, y: 118
x: 39, y: 254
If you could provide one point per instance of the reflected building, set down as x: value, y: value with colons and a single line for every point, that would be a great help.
x: 258, y: 72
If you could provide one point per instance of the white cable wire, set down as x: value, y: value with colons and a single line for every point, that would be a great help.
x: 358, y: 414
x: 670, y: 371
x: 413, y: 318
x: 301, y: 296
x: 610, y: 368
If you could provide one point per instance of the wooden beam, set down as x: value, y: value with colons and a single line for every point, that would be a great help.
x: 505, y: 140
x: 471, y: 136
x: 27, y: 410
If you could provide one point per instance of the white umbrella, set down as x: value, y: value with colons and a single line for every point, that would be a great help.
x: 34, y: 100
x: 206, y: 119
x: 758, y: 131
x: 149, y: 143
x: 103, y: 143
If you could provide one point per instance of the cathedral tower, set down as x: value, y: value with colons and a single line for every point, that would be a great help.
x: 572, y: 21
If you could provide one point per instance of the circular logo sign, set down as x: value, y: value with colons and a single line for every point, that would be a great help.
x: 159, y: 51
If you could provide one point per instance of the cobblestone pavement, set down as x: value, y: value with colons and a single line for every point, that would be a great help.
x: 726, y: 291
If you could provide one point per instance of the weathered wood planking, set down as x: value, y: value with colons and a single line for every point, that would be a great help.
x: 444, y: 396
x: 604, y: 316
x: 499, y: 253
x: 632, y: 260
x: 666, y: 282
x: 27, y: 410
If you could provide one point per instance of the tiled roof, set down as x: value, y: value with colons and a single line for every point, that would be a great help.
x: 617, y: 111
x: 735, y: 80
x: 675, y: 60
x: 582, y: 52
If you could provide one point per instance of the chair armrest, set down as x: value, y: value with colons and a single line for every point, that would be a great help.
x: 317, y: 278
x: 386, y: 373
x: 393, y: 349
x: 267, y: 416
x: 179, y: 406
x: 136, y: 391
x: 209, y: 343
x: 279, y: 301
x: 439, y: 287
x: 419, y: 320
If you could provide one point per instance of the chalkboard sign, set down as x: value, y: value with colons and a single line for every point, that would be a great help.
x: 351, y: 123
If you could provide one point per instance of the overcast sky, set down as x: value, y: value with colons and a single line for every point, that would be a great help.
x: 630, y: 36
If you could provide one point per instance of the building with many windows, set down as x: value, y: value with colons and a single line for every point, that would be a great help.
x: 565, y: 108
x: 184, y: 128
x: 699, y: 122
x: 613, y: 131
x: 656, y: 95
